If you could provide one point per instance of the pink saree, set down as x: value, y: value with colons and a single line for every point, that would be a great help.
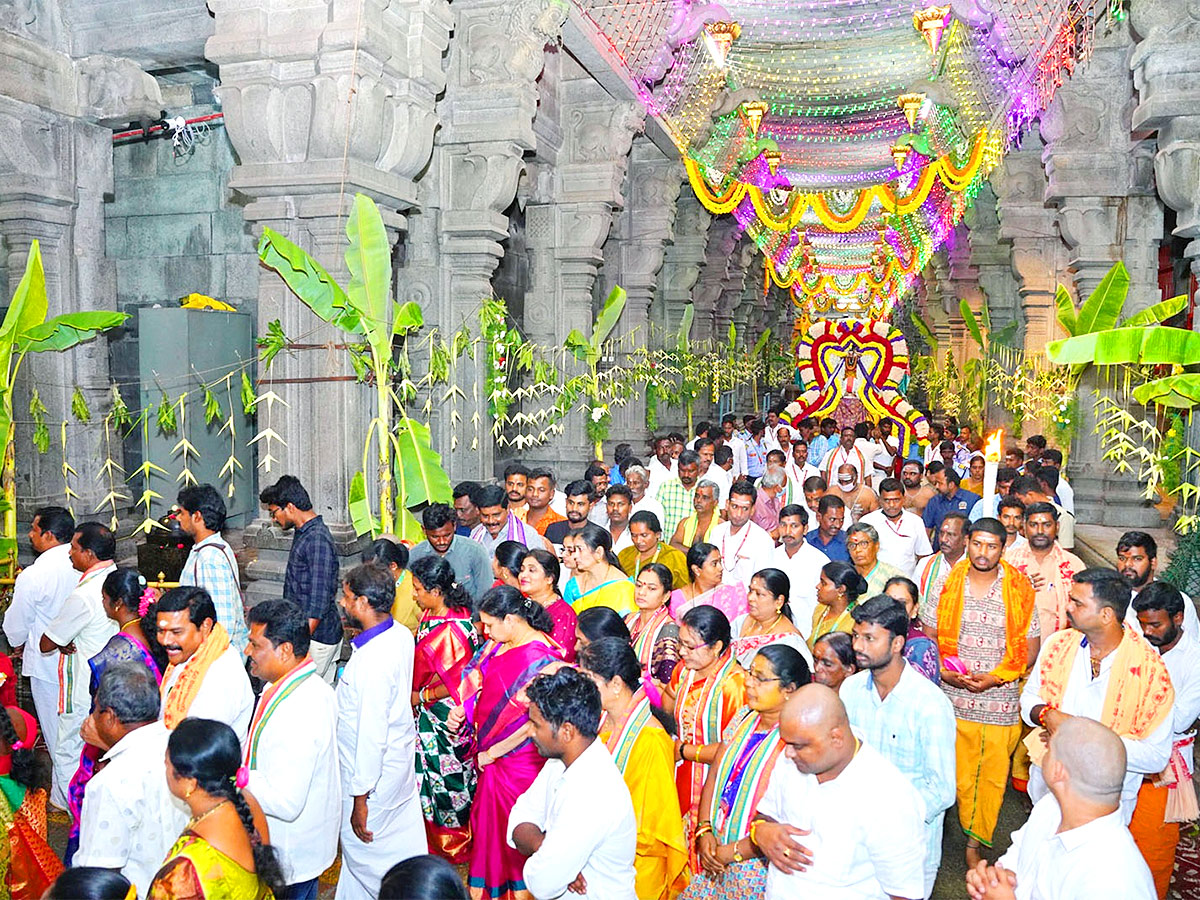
x: 491, y: 687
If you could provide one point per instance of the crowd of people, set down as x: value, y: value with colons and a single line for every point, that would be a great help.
x: 763, y: 663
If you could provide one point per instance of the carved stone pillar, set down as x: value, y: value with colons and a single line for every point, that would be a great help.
x: 1038, y: 255
x: 633, y: 259
x: 682, y: 262
x: 567, y: 223
x: 56, y: 115
x: 455, y: 240
x: 318, y: 106
x: 992, y: 260
x: 723, y: 236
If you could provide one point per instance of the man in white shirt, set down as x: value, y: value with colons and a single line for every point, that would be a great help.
x: 801, y: 562
x: 902, y: 536
x: 1159, y: 607
x: 887, y: 447
x: 75, y: 635
x: 734, y: 443
x: 1066, y: 494
x: 798, y: 470
x: 576, y: 821
x: 662, y: 465
x: 637, y: 479
x: 291, y: 749
x: 745, y: 547
x: 1137, y: 561
x: 846, y: 454
x: 382, y: 822
x: 38, y: 595
x: 129, y: 818
x: 619, y: 503
x: 706, y: 450
x: 196, y: 642
x: 1072, y: 676
x: 211, y: 563
x: 1075, y: 845
x: 838, y: 821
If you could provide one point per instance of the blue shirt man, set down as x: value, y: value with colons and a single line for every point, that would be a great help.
x: 828, y: 536
x: 949, y: 498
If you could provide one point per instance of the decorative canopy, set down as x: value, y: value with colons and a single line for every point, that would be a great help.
x: 847, y: 137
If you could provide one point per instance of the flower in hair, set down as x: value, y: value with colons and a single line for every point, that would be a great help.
x: 149, y: 595
x: 242, y: 778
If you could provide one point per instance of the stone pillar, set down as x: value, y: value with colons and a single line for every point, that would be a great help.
x: 1100, y: 179
x: 56, y: 118
x: 567, y: 224
x: 633, y: 258
x: 682, y: 262
x: 1038, y: 255
x: 455, y: 239
x: 723, y: 236
x: 319, y: 106
x: 992, y: 260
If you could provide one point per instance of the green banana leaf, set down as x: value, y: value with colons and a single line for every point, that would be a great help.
x: 1176, y: 391
x: 732, y: 335
x: 577, y: 345
x: 360, y: 506
x: 420, y: 477
x: 1064, y: 311
x: 1006, y: 336
x: 968, y: 316
x: 685, y: 326
x: 1157, y: 313
x: 925, y: 331
x: 28, y: 307
x: 406, y: 318
x: 308, y: 280
x: 761, y: 343
x: 607, y: 320
x: 1150, y: 346
x: 65, y: 331
x: 1102, y: 309
x: 369, y: 260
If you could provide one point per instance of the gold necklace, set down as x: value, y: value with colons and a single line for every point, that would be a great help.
x: 127, y: 624
x: 196, y: 820
x: 767, y: 630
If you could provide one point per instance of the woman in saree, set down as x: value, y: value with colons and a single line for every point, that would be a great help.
x: 730, y: 865
x: 596, y: 623
x: 28, y: 865
x: 838, y: 590
x: 706, y: 689
x: 598, y: 580
x: 225, y: 851
x: 126, y: 598
x: 538, y: 581
x: 518, y: 647
x: 446, y: 641
x: 644, y: 751
x: 506, y: 563
x: 920, y: 651
x: 706, y: 589
x: 833, y: 659
x: 768, y: 619
x: 654, y: 634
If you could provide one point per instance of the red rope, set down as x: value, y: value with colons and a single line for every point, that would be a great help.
x: 156, y: 129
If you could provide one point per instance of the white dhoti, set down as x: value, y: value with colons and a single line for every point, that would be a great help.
x: 398, y: 834
x: 45, y: 703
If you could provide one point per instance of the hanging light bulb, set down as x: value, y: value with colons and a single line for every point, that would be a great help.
x: 719, y: 38
x: 911, y: 104
x: 773, y: 157
x: 899, y: 155
x: 931, y: 22
x: 752, y: 112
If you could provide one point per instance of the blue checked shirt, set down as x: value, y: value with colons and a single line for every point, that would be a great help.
x: 212, y: 566
x: 914, y: 729
x: 311, y: 580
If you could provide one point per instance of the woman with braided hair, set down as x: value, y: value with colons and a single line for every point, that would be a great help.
x: 28, y: 866
x: 223, y: 853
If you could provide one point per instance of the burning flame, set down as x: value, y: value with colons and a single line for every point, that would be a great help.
x: 993, y: 449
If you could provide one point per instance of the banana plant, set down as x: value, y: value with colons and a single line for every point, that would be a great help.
x: 689, y: 385
x: 407, y: 468
x: 590, y: 351
x: 27, y: 330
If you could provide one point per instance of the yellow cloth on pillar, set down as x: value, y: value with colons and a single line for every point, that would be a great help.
x: 982, y: 753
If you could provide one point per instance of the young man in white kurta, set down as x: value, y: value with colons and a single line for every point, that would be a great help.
x: 745, y: 547
x: 38, y: 595
x: 801, y: 562
x: 902, y: 536
x: 83, y: 622
x: 377, y: 745
x: 291, y: 748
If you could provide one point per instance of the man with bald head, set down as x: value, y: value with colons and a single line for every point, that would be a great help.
x: 840, y: 821
x: 1075, y: 844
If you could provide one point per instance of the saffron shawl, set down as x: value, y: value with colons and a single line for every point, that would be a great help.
x: 1017, y: 596
x: 177, y: 699
x: 1139, y: 695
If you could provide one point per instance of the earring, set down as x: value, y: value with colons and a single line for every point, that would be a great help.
x: 189, y: 793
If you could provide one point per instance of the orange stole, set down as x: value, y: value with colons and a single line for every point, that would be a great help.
x: 1139, y: 695
x: 1017, y: 595
x: 178, y: 698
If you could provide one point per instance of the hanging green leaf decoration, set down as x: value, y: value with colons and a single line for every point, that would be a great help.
x: 212, y: 408
x: 167, y: 422
x: 248, y: 395
x: 79, y: 406
x: 272, y: 342
x: 120, y: 412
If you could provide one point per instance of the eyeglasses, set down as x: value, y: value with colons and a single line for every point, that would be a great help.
x: 759, y: 679
x: 692, y: 647
x: 856, y: 544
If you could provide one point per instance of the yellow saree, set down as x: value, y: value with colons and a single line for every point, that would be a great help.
x: 196, y: 870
